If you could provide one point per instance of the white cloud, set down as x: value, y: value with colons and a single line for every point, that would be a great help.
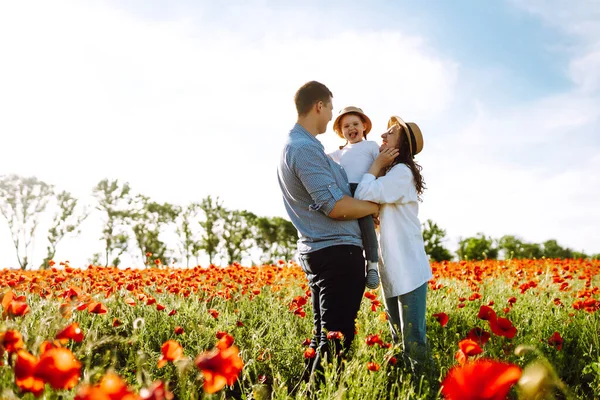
x: 182, y: 110
x: 200, y: 104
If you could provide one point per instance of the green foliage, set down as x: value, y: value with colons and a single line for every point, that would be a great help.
x: 479, y: 247
x: 148, y: 219
x: 66, y: 221
x: 186, y: 222
x: 211, y: 238
x: 434, y: 236
x: 276, y: 238
x: 22, y: 203
x: 553, y: 250
x: 113, y: 200
x: 515, y: 247
x: 270, y: 339
x: 238, y: 235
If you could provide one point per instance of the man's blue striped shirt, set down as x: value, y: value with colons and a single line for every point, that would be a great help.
x: 311, y: 183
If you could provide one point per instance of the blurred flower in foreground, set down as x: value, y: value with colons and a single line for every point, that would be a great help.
x: 479, y: 380
x: 219, y: 367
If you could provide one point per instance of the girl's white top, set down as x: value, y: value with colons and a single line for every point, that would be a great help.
x: 403, y: 263
x: 356, y: 159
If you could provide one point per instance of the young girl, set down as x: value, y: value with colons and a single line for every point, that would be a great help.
x: 405, y: 268
x: 356, y: 156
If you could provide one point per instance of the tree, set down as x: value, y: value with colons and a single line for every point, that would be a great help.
x: 553, y: 250
x: 148, y: 219
x: 433, y: 236
x: 511, y: 246
x: 113, y: 199
x: 188, y: 236
x: 477, y: 248
x: 210, y: 239
x: 22, y: 203
x: 276, y: 237
x: 238, y: 236
x: 65, y: 221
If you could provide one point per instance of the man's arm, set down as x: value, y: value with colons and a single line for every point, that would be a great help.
x: 348, y: 208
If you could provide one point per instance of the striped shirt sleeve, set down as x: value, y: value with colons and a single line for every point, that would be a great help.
x: 311, y: 166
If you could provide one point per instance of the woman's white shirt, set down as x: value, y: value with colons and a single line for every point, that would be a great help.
x: 356, y: 159
x: 403, y: 263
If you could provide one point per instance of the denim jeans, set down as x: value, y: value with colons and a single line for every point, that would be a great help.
x: 407, y: 313
x: 336, y: 277
x: 367, y: 230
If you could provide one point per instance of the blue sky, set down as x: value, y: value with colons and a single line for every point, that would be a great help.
x: 183, y: 99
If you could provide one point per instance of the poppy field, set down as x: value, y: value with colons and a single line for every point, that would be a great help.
x: 496, y: 329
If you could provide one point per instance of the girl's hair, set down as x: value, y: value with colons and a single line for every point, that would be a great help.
x: 405, y: 157
x: 361, y: 118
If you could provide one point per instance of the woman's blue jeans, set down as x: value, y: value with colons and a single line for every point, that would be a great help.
x: 407, y: 315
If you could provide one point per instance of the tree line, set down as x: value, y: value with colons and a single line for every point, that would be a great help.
x: 481, y: 247
x: 136, y: 225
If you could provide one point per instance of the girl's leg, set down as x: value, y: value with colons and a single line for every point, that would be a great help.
x: 370, y: 245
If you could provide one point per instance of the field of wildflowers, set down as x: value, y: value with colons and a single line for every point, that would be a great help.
x: 497, y: 329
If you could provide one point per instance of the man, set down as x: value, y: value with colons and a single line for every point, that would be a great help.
x: 317, y: 198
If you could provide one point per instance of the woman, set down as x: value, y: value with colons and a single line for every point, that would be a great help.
x: 394, y: 181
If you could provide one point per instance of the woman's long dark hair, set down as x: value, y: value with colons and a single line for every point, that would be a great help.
x: 405, y: 157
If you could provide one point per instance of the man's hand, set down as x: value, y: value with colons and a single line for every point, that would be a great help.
x: 376, y: 216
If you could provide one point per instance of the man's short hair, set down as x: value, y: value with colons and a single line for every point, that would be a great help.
x: 309, y: 94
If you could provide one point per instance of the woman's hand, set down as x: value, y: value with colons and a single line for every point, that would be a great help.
x: 386, y: 157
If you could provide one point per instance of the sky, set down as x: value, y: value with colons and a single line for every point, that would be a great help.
x: 190, y: 98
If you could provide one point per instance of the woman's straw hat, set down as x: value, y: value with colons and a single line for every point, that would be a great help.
x: 354, y: 110
x: 413, y: 133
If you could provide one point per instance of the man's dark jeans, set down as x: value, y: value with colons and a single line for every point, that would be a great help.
x: 336, y: 277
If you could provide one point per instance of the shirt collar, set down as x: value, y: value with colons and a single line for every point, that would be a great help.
x: 301, y: 130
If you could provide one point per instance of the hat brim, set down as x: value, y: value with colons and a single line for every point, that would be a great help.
x: 409, y: 127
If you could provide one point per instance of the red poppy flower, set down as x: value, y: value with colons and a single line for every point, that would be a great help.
x: 219, y: 368
x: 179, y: 330
x: 486, y: 313
x: 171, y: 351
x: 225, y: 340
x: 480, y: 380
x: 59, y: 368
x: 556, y: 341
x: 25, y: 377
x: 442, y: 318
x: 503, y: 327
x: 310, y: 353
x: 72, y: 332
x: 12, y: 341
x: 110, y: 387
x: 373, y: 366
x: 479, y: 335
x: 374, y: 339
x: 306, y: 342
x: 370, y: 295
x: 97, y: 308
x: 334, y: 335
x: 213, y: 313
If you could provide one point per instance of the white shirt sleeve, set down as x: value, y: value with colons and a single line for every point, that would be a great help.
x: 395, y: 187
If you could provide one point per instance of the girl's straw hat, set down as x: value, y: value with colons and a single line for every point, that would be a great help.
x: 354, y: 110
x: 413, y: 133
